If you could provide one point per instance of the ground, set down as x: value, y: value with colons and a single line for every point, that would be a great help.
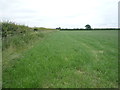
x: 67, y: 59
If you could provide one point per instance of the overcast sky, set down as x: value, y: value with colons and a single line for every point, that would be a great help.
x: 61, y: 13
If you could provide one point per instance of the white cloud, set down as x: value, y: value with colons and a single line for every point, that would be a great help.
x: 63, y: 13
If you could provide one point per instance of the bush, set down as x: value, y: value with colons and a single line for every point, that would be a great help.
x: 18, y: 36
x: 10, y: 29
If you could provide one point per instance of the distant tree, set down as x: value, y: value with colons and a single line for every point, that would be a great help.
x: 58, y: 28
x: 88, y: 26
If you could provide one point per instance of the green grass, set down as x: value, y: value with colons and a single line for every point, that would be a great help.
x: 67, y: 59
x: 0, y: 56
x: 14, y: 46
x: 18, y: 38
x: 0, y: 63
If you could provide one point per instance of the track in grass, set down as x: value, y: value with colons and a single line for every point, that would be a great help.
x: 74, y: 59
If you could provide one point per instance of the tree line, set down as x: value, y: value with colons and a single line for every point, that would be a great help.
x: 87, y: 27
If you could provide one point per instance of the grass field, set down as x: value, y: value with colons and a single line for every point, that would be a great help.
x: 67, y: 59
x: 0, y: 63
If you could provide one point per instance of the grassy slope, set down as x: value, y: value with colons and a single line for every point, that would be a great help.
x: 68, y: 59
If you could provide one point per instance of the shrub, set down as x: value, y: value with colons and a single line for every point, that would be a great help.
x: 18, y: 36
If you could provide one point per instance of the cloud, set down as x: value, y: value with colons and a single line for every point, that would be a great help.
x: 63, y: 13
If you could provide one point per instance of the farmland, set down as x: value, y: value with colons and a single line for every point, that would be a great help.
x: 0, y: 63
x: 66, y: 59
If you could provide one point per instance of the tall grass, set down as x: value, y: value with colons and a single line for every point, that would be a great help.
x: 0, y: 55
x: 19, y: 35
x: 18, y: 38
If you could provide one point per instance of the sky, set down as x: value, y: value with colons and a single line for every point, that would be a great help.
x: 61, y: 13
x: 119, y: 14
